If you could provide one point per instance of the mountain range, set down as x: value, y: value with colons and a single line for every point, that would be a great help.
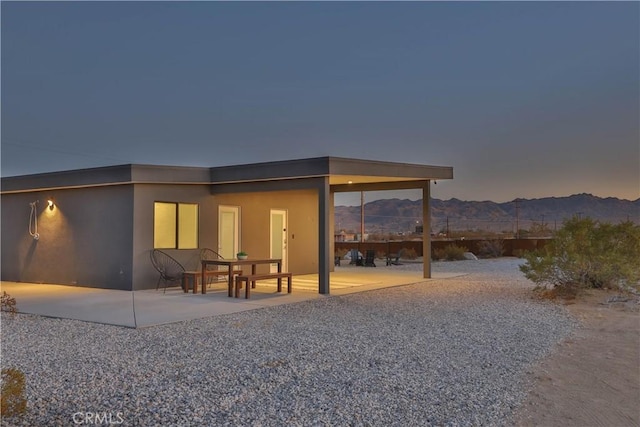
x: 403, y: 215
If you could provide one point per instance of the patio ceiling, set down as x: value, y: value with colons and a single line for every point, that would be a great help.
x: 348, y: 183
x: 341, y: 171
x: 366, y: 179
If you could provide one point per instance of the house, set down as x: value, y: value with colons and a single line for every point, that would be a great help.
x: 343, y: 236
x: 103, y: 222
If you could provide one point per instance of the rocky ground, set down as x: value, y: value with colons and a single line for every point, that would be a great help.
x: 458, y: 351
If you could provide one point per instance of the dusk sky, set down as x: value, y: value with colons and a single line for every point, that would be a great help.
x: 523, y: 99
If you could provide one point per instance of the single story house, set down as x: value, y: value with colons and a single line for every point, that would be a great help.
x: 101, y: 223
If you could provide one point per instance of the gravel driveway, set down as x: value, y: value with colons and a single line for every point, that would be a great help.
x: 447, y: 352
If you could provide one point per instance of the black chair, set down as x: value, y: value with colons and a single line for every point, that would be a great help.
x: 205, y: 254
x: 393, y: 259
x: 355, y: 257
x: 212, y: 270
x: 169, y: 268
x: 369, y: 258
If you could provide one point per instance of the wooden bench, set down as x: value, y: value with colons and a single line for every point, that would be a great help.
x: 189, y: 277
x: 250, y: 281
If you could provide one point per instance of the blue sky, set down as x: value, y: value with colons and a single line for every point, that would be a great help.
x: 525, y: 99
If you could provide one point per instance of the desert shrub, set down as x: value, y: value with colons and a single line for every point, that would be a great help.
x: 12, y: 400
x: 7, y: 303
x: 408, y: 253
x: 450, y: 252
x: 437, y: 254
x: 492, y: 248
x: 454, y: 252
x: 587, y: 254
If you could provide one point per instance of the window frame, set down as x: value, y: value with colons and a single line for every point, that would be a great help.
x: 176, y: 206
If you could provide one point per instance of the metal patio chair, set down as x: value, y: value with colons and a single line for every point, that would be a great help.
x: 169, y: 268
x: 212, y: 271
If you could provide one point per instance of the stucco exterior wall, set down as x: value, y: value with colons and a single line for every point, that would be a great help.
x: 144, y: 275
x: 302, y: 230
x: 85, y: 240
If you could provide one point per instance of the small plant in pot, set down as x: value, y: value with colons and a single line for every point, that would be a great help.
x: 242, y: 255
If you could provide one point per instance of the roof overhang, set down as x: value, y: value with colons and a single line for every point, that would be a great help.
x: 343, y: 174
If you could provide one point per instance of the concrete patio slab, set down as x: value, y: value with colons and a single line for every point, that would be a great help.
x: 150, y: 307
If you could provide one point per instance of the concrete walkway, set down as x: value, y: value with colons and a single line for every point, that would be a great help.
x: 151, y: 307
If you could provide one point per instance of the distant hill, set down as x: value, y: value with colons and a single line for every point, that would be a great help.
x: 397, y: 215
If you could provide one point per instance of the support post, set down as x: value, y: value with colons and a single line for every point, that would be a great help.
x: 362, y: 216
x: 324, y: 242
x: 426, y: 228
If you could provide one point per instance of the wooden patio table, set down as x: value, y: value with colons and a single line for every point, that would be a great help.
x: 231, y: 263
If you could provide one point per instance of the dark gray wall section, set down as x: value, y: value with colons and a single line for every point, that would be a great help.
x: 85, y: 240
x: 144, y: 275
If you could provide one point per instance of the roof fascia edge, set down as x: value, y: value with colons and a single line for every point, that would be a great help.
x: 107, y: 184
x: 343, y: 166
x: 268, y: 171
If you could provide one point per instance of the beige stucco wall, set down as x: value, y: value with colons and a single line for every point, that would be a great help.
x: 302, y: 230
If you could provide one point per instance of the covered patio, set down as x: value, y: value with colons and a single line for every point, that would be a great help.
x: 327, y: 176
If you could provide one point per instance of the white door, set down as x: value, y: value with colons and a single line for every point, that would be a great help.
x: 278, y: 238
x: 228, y: 231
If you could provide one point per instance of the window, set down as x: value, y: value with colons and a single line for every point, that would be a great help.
x: 175, y: 225
x: 187, y: 226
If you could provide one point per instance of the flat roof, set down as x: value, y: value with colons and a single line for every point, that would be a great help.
x: 341, y: 172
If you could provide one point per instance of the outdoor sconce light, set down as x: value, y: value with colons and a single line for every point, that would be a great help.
x: 50, y: 204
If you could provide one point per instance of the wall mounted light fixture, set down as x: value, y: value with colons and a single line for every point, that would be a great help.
x: 51, y: 204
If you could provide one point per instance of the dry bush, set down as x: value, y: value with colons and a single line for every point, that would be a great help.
x: 408, y: 253
x: 450, y: 252
x: 12, y: 400
x: 438, y: 254
x: 587, y: 254
x: 492, y: 248
x: 455, y: 252
x: 7, y: 303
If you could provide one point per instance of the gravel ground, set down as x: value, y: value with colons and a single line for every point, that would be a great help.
x: 452, y: 352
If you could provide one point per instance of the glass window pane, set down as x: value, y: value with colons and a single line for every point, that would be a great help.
x: 187, y: 226
x: 164, y: 225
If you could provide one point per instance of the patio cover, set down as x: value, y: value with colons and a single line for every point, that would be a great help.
x: 330, y: 175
